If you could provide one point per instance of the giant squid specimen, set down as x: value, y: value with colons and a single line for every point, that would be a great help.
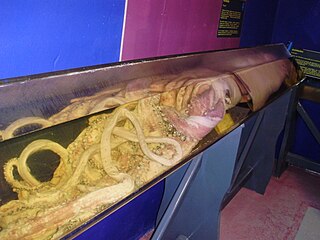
x: 118, y: 95
x: 119, y: 152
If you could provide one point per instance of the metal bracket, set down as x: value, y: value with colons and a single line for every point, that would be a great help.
x: 306, y: 118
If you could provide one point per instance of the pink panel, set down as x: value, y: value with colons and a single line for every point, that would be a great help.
x: 164, y: 27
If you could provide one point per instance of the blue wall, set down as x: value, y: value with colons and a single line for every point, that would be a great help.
x: 277, y: 21
x: 43, y: 36
x: 258, y: 22
x: 298, y: 21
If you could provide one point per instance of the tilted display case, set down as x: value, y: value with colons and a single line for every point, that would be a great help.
x: 77, y: 145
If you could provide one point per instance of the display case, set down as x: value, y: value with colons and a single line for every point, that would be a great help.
x: 77, y: 145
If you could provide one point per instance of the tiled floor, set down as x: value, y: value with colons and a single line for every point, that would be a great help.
x: 275, y: 215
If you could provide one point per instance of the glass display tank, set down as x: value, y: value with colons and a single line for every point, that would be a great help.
x: 77, y: 145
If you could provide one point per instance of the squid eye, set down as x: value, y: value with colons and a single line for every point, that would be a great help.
x: 227, y: 99
x: 228, y: 94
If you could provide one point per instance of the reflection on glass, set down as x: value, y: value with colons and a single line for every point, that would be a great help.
x: 65, y: 176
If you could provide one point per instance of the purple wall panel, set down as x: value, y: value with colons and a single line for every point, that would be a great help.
x: 165, y: 27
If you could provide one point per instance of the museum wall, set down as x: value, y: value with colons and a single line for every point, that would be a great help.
x: 48, y: 36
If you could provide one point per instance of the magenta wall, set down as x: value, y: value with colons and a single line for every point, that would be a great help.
x: 165, y: 27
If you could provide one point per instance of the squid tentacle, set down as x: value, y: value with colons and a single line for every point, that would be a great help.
x: 13, y: 127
